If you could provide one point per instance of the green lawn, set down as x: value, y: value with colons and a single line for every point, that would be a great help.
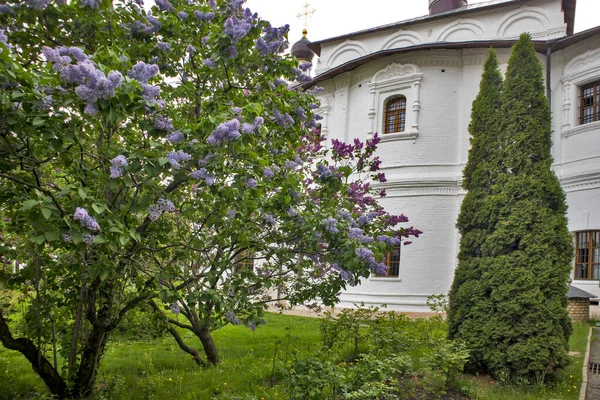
x: 157, y: 369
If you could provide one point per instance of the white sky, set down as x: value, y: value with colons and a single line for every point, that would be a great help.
x: 337, y: 17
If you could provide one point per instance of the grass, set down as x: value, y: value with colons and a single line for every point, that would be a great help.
x: 157, y: 369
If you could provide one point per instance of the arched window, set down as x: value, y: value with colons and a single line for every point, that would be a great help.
x: 395, y: 115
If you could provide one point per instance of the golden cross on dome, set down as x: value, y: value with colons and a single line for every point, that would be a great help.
x: 305, y: 15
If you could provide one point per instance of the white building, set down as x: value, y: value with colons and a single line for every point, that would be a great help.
x: 431, y: 68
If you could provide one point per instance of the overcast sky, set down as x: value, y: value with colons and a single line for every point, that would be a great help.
x: 336, y: 17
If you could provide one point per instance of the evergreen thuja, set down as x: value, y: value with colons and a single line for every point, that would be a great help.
x: 469, y: 304
x: 517, y: 324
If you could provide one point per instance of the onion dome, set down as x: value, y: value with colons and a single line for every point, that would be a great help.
x: 300, y: 49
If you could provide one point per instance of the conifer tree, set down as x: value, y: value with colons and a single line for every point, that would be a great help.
x: 518, y: 324
x: 469, y: 296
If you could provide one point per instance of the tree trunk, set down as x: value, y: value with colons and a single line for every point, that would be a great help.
x: 90, y: 360
x: 40, y: 364
x: 210, y: 349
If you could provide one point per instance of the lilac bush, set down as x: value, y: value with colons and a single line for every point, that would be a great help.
x: 150, y: 158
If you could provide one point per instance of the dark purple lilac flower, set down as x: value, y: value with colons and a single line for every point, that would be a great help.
x: 300, y: 113
x: 357, y: 233
x: 209, y: 63
x: 176, y: 157
x: 305, y: 66
x: 212, y: 4
x: 292, y: 212
x: 231, y: 52
x: 269, y: 218
x: 190, y: 49
x: 86, y: 220
x: 231, y: 213
x: 164, y: 5
x: 258, y: 122
x: 182, y: 15
x: 175, y: 308
x: 236, y: 110
x: 164, y: 46
x: 139, y: 2
x: 204, y: 16
x: 176, y: 137
x: 67, y: 238
x: 155, y: 24
x: 163, y: 123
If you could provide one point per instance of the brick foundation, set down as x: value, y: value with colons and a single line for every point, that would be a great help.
x: 579, y: 310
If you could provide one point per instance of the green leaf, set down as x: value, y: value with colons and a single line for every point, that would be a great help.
x: 99, y: 239
x: 51, y: 235
x: 37, y: 121
x: 162, y: 161
x: 99, y: 208
x: 29, y: 204
x: 46, y: 212
x: 82, y: 193
x: 123, y: 240
x: 39, y: 239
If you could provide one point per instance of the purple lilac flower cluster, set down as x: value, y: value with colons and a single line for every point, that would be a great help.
x: 323, y: 171
x: 301, y: 76
x: 238, y: 28
x: 88, y: 238
x: 38, y: 4
x: 92, y: 83
x: 249, y: 128
x: 357, y: 233
x: 164, y: 46
x: 202, y: 173
x: 156, y: 210
x: 345, y: 275
x: 209, y: 63
x: 118, y: 164
x: 175, y: 309
x: 231, y: 318
x: 164, y: 5
x: 300, y: 113
x: 163, y: 123
x: 229, y: 130
x: 6, y: 9
x: 284, y: 120
x: 389, y: 240
x: 330, y: 225
x: 85, y: 219
x: 368, y: 257
x: 93, y: 4
x: 269, y: 218
x: 273, y: 41
x: 231, y: 213
x: 4, y: 40
x: 250, y: 183
x: 177, y: 157
x: 143, y: 72
x: 204, y: 16
x: 154, y: 23
x: 176, y: 137
x: 182, y: 15
x: 268, y: 172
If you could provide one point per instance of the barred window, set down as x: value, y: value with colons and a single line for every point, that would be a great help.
x: 587, y: 255
x: 589, y: 108
x: 395, y: 115
x: 392, y: 260
x: 244, y: 261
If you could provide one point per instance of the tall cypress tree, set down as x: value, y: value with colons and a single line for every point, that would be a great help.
x: 518, y: 324
x: 469, y: 304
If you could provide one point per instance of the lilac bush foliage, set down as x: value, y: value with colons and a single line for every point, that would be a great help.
x: 113, y: 123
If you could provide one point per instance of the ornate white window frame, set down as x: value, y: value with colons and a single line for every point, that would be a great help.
x: 392, y: 81
x: 586, y: 69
